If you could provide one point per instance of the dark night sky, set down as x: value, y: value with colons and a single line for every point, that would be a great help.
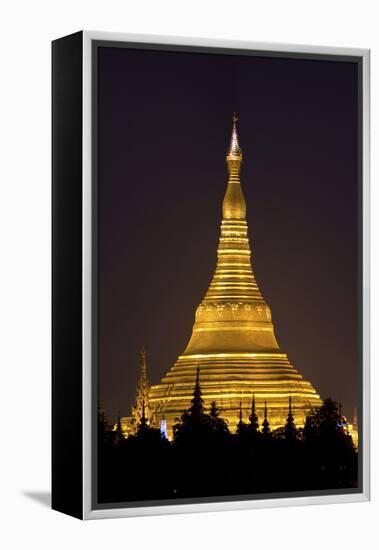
x: 164, y: 128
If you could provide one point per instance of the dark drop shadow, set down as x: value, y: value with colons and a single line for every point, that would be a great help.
x: 42, y: 497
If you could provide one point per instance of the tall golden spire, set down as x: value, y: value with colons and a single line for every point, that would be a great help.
x: 233, y: 339
x: 234, y: 290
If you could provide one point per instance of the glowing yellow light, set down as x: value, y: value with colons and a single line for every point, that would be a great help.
x: 230, y: 355
x: 233, y: 341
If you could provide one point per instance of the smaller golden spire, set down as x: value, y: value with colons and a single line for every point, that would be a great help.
x: 143, y: 362
x: 141, y: 405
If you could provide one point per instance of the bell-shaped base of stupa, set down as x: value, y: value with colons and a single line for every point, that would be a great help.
x: 232, y: 380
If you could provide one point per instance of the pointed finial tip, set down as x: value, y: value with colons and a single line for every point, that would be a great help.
x: 234, y: 152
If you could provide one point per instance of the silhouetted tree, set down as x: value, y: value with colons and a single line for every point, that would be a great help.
x: 199, y: 439
x: 206, y: 460
x: 241, y: 425
x: 309, y: 429
x: 143, y: 424
x: 218, y: 425
x: 326, y: 418
x: 253, y: 424
x: 330, y: 451
x: 118, y: 437
x: 266, y: 430
x: 290, y: 430
x: 196, y: 410
x: 101, y: 425
x: 195, y: 425
x: 214, y: 411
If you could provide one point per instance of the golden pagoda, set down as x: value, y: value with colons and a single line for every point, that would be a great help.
x: 233, y: 341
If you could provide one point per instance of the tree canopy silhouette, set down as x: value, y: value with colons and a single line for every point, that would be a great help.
x: 205, y: 459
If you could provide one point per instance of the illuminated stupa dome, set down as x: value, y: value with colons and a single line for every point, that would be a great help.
x: 233, y: 341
